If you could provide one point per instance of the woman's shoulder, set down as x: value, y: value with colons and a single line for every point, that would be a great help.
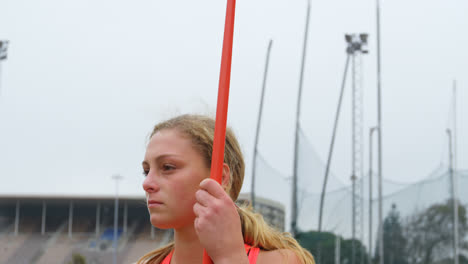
x: 278, y: 256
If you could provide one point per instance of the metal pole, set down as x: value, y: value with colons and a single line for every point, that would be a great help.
x: 455, y: 132
x: 454, y: 200
x: 116, y: 215
x: 98, y: 216
x: 353, y: 160
x: 259, y: 121
x: 70, y: 220
x: 332, y: 143
x: 116, y: 220
x: 337, y: 249
x: 353, y: 220
x: 360, y: 115
x: 455, y: 167
x: 125, y: 218
x: 17, y: 216
x: 379, y: 124
x: 371, y: 132
x: 43, y: 223
x: 296, y: 140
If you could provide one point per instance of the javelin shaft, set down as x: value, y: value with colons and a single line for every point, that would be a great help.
x: 223, y: 95
x: 217, y: 158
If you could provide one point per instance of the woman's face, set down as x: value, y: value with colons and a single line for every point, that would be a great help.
x: 174, y: 170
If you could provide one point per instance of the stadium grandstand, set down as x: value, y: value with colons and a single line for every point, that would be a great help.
x: 48, y: 229
x: 41, y: 229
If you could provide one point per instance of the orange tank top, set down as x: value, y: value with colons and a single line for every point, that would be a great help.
x: 252, y: 254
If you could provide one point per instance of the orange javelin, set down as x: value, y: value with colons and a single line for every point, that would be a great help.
x: 217, y: 157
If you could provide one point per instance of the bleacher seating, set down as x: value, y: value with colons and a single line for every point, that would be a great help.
x: 108, y: 234
x: 55, y: 246
x: 9, y: 244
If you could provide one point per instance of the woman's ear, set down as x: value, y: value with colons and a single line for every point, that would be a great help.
x: 226, y: 180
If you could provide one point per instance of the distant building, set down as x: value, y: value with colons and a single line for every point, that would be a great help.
x: 272, y: 211
x: 51, y: 229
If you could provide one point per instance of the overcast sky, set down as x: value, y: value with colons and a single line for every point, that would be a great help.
x: 85, y: 81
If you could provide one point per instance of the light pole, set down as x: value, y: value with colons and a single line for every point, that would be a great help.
x: 379, y: 125
x: 454, y: 199
x: 371, y: 132
x: 116, y: 213
x: 357, y: 45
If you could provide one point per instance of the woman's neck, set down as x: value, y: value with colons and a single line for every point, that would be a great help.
x: 187, y: 246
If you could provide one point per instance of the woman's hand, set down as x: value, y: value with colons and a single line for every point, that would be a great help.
x: 218, y: 225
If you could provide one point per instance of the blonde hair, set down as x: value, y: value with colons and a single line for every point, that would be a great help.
x: 256, y: 232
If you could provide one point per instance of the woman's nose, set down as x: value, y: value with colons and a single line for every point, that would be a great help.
x: 150, y: 184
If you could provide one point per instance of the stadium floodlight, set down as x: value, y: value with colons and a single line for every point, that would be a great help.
x: 357, y: 43
x: 3, y: 49
x: 3, y: 55
x: 356, y: 46
x: 364, y: 37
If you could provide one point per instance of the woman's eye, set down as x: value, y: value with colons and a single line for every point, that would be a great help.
x: 168, y: 167
x: 145, y: 173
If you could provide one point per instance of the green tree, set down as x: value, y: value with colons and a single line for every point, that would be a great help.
x: 325, y: 243
x: 77, y: 259
x: 394, y: 239
x: 430, y: 233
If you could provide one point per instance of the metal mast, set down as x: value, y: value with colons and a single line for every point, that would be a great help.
x: 454, y: 171
x: 296, y: 141
x: 454, y: 199
x: 379, y: 125
x: 357, y: 45
x: 371, y: 132
x: 259, y: 121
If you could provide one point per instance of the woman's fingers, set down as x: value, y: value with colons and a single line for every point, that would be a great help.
x: 203, y: 197
x: 212, y: 187
x: 217, y: 224
x: 198, y: 209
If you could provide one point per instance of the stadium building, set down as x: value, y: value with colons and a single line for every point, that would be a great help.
x: 273, y: 212
x: 42, y: 229
x: 51, y: 229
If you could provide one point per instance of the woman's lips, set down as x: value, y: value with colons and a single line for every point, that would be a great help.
x: 154, y: 204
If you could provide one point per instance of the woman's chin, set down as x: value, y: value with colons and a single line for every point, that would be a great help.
x: 160, y: 223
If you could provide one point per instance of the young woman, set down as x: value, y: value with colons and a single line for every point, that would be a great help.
x: 202, y: 212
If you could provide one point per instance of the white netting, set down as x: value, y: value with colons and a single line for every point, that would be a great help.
x: 337, y: 211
